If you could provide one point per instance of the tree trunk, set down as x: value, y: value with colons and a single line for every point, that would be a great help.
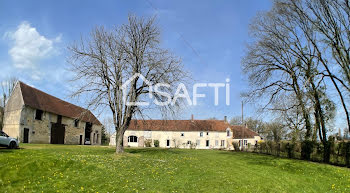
x: 306, y: 116
x: 119, y: 141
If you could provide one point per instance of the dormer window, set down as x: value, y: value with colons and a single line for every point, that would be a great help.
x: 38, y: 114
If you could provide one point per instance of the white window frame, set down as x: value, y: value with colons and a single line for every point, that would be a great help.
x: 222, y: 143
x: 133, y: 137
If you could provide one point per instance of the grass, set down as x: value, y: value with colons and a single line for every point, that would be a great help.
x: 65, y: 168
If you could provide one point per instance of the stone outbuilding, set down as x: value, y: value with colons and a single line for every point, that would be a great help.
x: 33, y: 116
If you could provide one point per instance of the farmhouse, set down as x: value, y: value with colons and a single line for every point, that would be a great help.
x: 34, y: 116
x: 198, y: 134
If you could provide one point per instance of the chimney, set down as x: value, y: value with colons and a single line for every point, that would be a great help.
x: 192, y: 118
x: 225, y: 119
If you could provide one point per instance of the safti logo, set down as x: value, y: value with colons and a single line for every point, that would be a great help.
x: 181, y: 92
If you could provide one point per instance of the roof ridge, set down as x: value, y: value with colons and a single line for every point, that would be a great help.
x: 51, y: 95
x: 39, y: 99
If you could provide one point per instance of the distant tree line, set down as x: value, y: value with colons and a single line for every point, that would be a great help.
x: 298, y: 68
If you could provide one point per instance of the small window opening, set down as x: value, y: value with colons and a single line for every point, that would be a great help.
x: 38, y: 114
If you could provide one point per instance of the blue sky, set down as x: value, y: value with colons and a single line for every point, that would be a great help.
x: 209, y: 36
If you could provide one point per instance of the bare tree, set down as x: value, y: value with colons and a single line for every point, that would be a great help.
x: 7, y: 87
x: 329, y: 23
x: 287, y: 59
x: 272, y: 65
x: 110, y: 58
x: 237, y: 120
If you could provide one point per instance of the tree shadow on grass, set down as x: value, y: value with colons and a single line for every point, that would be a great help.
x: 6, y: 150
x: 255, y: 159
x: 152, y: 151
x: 263, y: 160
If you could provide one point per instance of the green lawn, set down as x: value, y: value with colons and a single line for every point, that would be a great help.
x: 65, y: 168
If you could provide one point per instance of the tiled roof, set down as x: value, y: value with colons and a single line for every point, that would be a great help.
x: 179, y: 125
x: 240, y: 132
x: 40, y: 100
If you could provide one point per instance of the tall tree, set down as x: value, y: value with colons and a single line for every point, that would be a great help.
x: 110, y: 58
x: 288, y: 59
x: 329, y: 19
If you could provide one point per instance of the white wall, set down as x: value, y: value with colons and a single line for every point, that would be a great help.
x: 176, y: 140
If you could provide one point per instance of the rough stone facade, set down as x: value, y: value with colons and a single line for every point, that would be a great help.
x: 19, y: 117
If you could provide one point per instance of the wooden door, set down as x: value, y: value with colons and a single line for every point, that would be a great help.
x: 26, y: 135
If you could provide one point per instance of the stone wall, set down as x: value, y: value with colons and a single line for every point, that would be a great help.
x: 72, y: 133
x: 1, y: 117
x: 40, y: 130
x: 12, y: 113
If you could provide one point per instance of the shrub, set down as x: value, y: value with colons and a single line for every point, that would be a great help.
x: 290, y: 149
x: 346, y: 152
x: 307, y: 148
x: 148, y: 143
x: 269, y: 147
x: 235, y: 146
x: 327, y: 151
x: 156, y: 143
x: 262, y: 147
x: 278, y: 149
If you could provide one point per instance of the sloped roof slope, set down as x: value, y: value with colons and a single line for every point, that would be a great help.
x: 40, y: 100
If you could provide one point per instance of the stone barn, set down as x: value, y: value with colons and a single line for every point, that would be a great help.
x: 33, y: 116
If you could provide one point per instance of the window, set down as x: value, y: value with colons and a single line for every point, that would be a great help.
x: 201, y: 134
x: 167, y: 142
x: 222, y: 143
x: 245, y: 142
x: 76, y: 123
x: 198, y: 142
x: 38, y: 114
x: 132, y: 139
x: 207, y: 143
x: 216, y: 143
x: 189, y: 142
x: 3, y: 134
x: 228, y: 133
x: 207, y: 133
x: 182, y: 134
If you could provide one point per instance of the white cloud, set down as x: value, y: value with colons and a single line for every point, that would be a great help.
x: 29, y: 47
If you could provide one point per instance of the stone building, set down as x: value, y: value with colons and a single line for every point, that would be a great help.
x: 1, y: 116
x: 198, y: 134
x: 34, y: 116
